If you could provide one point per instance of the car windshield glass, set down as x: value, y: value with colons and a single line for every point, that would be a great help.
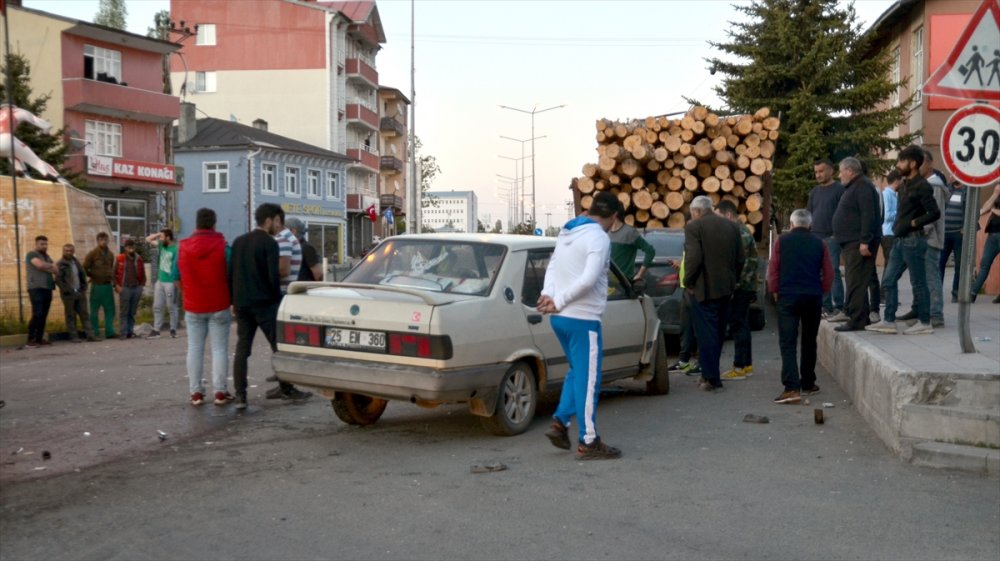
x: 666, y: 244
x: 432, y: 265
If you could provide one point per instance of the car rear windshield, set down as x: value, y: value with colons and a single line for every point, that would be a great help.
x: 432, y: 265
x: 666, y: 244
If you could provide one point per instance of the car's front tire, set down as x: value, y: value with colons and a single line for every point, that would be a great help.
x: 659, y: 384
x: 516, y: 402
x: 357, y: 409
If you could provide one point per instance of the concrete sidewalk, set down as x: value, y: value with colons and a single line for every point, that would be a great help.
x: 927, y: 400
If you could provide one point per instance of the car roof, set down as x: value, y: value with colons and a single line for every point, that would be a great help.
x: 512, y: 241
x: 664, y: 231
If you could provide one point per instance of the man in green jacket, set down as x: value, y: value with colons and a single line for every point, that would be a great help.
x: 99, y: 266
x: 625, y: 244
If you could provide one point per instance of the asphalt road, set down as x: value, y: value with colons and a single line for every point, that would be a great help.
x: 285, y: 481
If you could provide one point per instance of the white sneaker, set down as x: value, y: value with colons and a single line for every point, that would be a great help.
x: 873, y: 317
x: 882, y: 327
x: 838, y: 317
x: 919, y: 329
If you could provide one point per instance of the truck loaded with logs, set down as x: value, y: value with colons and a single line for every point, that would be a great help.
x: 656, y: 166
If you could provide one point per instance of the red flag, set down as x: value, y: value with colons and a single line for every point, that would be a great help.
x: 372, y: 214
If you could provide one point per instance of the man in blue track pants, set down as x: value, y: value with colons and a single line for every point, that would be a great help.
x: 576, y: 292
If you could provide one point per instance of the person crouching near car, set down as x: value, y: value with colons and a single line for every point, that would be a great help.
x: 799, y: 273
x: 202, y: 263
x: 72, y: 283
x: 576, y: 294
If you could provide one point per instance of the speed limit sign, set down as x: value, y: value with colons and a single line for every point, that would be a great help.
x: 970, y: 143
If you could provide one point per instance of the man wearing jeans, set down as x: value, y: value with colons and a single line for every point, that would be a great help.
x: 798, y: 275
x: 165, y: 293
x: 202, y: 264
x: 130, y: 277
x: 916, y: 209
x: 823, y: 201
x: 40, y: 286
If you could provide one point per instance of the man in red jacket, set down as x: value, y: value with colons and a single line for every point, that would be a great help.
x: 202, y: 261
x: 130, y: 277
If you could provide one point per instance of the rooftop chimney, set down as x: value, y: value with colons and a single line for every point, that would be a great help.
x: 260, y: 124
x: 187, y: 124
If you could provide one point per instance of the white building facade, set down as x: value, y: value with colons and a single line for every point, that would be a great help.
x: 453, y: 211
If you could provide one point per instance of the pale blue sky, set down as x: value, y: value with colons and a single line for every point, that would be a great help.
x: 615, y: 59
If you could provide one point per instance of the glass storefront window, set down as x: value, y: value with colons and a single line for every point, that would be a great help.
x: 326, y: 239
x: 127, y: 219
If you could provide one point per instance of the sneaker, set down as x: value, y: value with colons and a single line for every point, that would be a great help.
x: 130, y: 335
x: 734, y: 374
x: 30, y: 345
x: 597, y: 450
x: 92, y: 339
x: 222, y: 398
x: 173, y: 333
x: 996, y: 299
x: 197, y: 398
x: 838, y: 317
x: 558, y: 435
x: 937, y: 322
x: 273, y: 393
x: 873, y: 317
x: 44, y: 342
x: 813, y: 389
x: 790, y: 396
x: 912, y: 314
x: 154, y: 334
x: 692, y: 369
x: 919, y: 329
x: 296, y: 394
x: 883, y: 327
x: 954, y: 298
x: 748, y: 370
x: 241, y: 401
x: 706, y: 386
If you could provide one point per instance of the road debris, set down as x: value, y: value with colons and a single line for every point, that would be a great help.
x: 818, y: 416
x: 162, y: 435
x: 495, y: 466
x: 46, y: 455
x: 828, y: 405
x: 86, y: 434
x: 760, y: 419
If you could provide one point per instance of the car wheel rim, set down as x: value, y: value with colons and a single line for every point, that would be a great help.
x: 517, y: 397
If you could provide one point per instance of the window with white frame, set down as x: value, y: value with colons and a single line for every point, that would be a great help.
x: 216, y: 177
x: 332, y: 185
x: 292, y: 181
x: 315, y: 187
x: 103, y: 139
x: 894, y: 98
x: 206, y: 35
x: 917, y: 72
x: 204, y: 82
x: 101, y: 64
x: 268, y: 173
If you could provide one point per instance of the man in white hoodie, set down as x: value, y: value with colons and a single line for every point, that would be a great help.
x: 576, y: 293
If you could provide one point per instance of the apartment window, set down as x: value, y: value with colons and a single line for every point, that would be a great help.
x: 204, y: 82
x: 894, y: 98
x: 268, y: 172
x: 103, y: 139
x: 315, y: 190
x: 102, y: 64
x: 216, y: 178
x: 206, y: 35
x: 291, y: 181
x: 917, y: 72
x: 332, y: 185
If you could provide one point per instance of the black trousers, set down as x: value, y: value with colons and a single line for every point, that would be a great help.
x: 248, y: 320
x: 689, y: 345
x: 792, y: 311
x: 859, y: 271
x: 739, y: 326
x: 41, y: 301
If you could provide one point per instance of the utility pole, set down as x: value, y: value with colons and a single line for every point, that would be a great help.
x: 533, y: 112
x: 413, y: 218
x: 13, y: 166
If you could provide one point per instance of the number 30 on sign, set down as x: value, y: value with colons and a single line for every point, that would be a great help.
x: 970, y: 143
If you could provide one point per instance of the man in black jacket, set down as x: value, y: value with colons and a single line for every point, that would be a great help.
x: 72, y: 284
x: 916, y: 209
x: 713, y: 260
x: 256, y: 287
x: 857, y: 228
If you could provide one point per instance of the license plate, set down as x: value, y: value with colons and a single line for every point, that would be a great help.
x: 355, y: 339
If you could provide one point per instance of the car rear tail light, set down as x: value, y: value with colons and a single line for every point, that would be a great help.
x: 299, y: 334
x: 418, y: 345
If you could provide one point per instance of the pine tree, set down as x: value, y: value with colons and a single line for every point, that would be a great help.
x: 112, y: 13
x: 50, y: 146
x: 810, y: 62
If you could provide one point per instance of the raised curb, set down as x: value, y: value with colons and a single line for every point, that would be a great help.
x: 957, y: 456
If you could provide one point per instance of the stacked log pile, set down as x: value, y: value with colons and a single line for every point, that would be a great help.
x: 657, y: 165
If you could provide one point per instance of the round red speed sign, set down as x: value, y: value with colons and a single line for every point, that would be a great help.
x: 970, y: 144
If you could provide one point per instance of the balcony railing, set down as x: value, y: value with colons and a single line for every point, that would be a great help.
x: 123, y: 102
x: 358, y: 69
x: 360, y: 115
x: 366, y: 158
x: 391, y: 164
x: 391, y: 126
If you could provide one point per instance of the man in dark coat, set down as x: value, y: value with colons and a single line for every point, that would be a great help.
x: 72, y: 283
x: 857, y: 227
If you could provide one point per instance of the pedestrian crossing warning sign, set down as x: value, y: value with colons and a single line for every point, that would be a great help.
x: 972, y: 70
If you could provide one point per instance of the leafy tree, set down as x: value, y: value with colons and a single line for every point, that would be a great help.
x: 112, y: 13
x: 810, y: 62
x: 51, y: 146
x: 480, y: 227
x: 498, y: 227
x: 428, y: 169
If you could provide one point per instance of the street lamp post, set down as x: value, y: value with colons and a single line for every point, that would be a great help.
x: 533, y: 112
x: 521, y: 195
x: 523, y: 176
